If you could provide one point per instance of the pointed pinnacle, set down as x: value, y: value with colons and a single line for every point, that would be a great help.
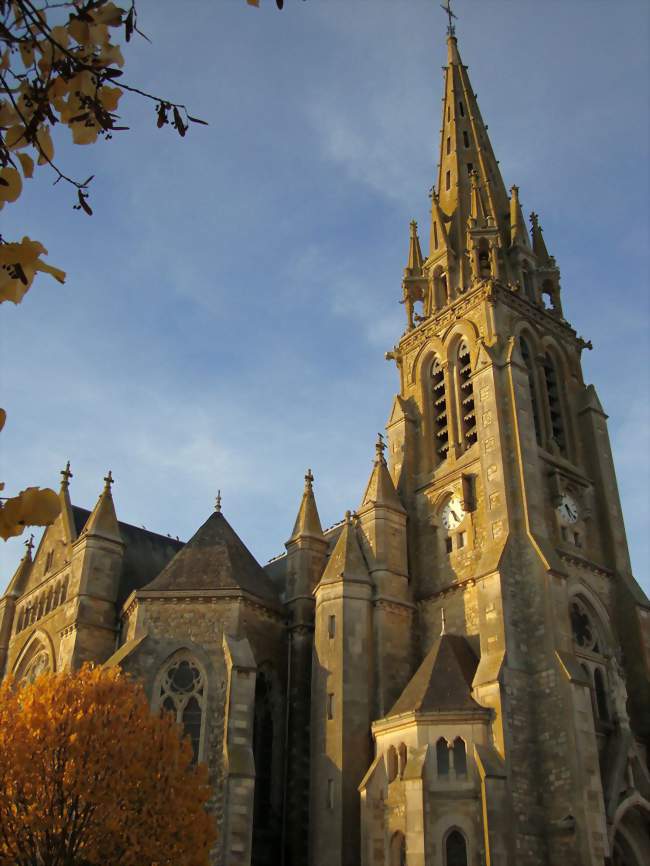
x: 443, y: 622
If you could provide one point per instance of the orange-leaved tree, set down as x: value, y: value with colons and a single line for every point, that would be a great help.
x: 89, y: 776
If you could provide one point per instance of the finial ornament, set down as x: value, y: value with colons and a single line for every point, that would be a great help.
x: 217, y: 502
x: 380, y: 447
x: 443, y: 622
x: 108, y: 480
x: 29, y: 544
x: 446, y: 6
x: 309, y: 480
x: 348, y: 517
x: 66, y: 476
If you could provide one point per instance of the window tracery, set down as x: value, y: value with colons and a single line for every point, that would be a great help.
x: 589, y: 648
x: 40, y: 664
x: 182, y: 693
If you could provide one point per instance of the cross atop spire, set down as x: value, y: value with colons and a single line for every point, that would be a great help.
x: 380, y: 447
x: 217, y: 502
x: 108, y: 480
x: 446, y: 6
x: 309, y: 480
x: 66, y: 476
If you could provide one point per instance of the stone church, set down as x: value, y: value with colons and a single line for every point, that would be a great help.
x: 456, y: 674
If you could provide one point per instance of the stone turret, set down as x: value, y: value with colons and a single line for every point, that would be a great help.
x: 341, y: 702
x: 94, y: 586
x: 382, y: 531
x: 306, y: 556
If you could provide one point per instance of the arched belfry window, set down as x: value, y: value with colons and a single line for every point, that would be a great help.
x: 466, y: 397
x: 530, y: 370
x: 182, y: 693
x: 455, y: 849
x: 439, y: 410
x: 558, y: 428
x: 484, y: 264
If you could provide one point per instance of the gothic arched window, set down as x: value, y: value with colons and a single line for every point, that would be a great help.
x: 398, y: 849
x: 442, y: 756
x: 558, y: 428
x: 403, y: 757
x: 263, y: 750
x: 40, y: 664
x: 589, y: 648
x: 182, y: 692
x: 460, y: 757
x: 392, y: 765
x: 455, y: 849
x: 466, y: 397
x: 439, y: 410
x: 530, y: 369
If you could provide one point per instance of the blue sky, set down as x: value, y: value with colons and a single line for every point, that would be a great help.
x: 228, y: 306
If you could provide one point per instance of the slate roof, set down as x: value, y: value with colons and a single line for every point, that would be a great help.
x: 146, y: 553
x: 443, y: 682
x: 215, y: 558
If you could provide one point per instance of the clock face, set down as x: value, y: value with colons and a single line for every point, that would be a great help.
x: 453, y: 513
x: 567, y: 510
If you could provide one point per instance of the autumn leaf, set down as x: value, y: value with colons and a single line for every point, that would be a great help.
x: 19, y: 263
x: 32, y: 507
x: 10, y: 185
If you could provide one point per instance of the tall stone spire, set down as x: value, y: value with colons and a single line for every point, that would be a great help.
x: 469, y: 178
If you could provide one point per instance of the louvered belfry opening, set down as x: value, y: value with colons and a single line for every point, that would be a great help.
x: 440, y: 417
x: 466, y: 397
x: 530, y: 370
x: 554, y: 404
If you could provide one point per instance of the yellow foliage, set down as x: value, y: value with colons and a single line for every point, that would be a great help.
x: 19, y: 264
x: 11, y: 185
x: 86, y: 767
x: 32, y: 507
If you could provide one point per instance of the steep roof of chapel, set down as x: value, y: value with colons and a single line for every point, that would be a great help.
x: 146, y: 553
x: 215, y: 558
x: 443, y: 681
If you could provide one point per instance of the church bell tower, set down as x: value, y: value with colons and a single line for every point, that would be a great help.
x: 500, y: 453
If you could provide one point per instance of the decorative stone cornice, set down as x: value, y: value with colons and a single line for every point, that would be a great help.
x: 486, y: 291
x: 582, y: 562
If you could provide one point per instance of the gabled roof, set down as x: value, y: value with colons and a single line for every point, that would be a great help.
x: 215, y: 558
x: 443, y: 682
